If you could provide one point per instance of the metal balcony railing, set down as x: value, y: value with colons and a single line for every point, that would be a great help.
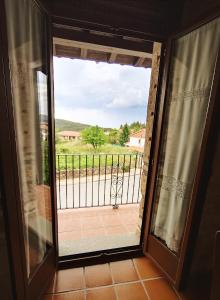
x: 92, y: 180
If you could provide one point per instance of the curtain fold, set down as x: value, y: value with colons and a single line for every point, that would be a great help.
x: 189, y: 88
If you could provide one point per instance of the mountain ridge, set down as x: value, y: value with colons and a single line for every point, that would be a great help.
x: 66, y: 125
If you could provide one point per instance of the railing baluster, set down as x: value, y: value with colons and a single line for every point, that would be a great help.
x: 99, y: 180
x: 92, y: 176
x: 134, y: 178
x: 59, y: 180
x: 116, y: 194
x: 79, y: 180
x: 129, y: 178
x: 66, y: 179
x: 86, y: 183
x: 111, y: 182
x: 105, y: 177
x: 123, y: 176
x: 139, y: 185
x: 73, y: 177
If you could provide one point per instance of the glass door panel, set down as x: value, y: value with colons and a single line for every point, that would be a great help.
x: 28, y: 45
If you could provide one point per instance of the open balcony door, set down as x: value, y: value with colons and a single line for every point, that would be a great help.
x: 185, y: 108
x: 28, y: 168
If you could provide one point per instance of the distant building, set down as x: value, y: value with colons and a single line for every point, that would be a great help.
x: 69, y: 135
x: 137, y: 139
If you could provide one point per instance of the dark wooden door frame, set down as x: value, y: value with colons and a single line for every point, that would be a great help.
x: 10, y: 173
x: 201, y: 179
x: 109, y: 254
x: 8, y: 156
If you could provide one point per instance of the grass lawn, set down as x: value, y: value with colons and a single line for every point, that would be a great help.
x: 85, y: 156
x: 65, y: 147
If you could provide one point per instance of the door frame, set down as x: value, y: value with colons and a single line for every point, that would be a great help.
x: 174, y: 268
x: 24, y: 287
x: 107, y: 255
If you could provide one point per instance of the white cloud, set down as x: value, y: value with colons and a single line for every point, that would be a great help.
x: 87, y: 116
x: 120, y: 102
x: 100, y: 93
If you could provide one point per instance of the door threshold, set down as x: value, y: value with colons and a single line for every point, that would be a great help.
x: 99, y: 257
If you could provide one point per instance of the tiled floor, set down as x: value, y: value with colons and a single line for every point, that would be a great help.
x: 136, y: 279
x: 91, y: 229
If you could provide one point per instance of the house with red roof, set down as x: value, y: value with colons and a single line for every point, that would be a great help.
x: 137, y: 139
x: 69, y: 135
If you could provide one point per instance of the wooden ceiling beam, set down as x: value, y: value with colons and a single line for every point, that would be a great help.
x: 96, y: 47
x: 139, y: 62
x: 83, y: 53
x: 112, y: 58
x: 106, y: 41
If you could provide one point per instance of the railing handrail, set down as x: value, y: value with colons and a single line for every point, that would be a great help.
x: 135, y: 153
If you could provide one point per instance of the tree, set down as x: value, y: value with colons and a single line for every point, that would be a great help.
x: 124, y: 135
x: 94, y: 135
x: 136, y: 126
x: 113, y: 136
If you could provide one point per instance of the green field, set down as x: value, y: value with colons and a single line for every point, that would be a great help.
x: 85, y: 156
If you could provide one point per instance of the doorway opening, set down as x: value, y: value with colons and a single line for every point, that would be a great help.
x: 101, y: 96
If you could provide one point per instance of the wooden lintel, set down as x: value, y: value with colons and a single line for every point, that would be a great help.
x: 97, y: 47
x: 112, y: 58
x: 83, y: 53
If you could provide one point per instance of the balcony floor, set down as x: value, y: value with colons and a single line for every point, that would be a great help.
x: 99, y: 228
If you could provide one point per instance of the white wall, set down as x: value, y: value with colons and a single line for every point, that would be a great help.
x: 136, y: 142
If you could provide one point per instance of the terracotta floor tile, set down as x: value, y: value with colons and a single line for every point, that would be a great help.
x: 69, y: 280
x: 160, y: 289
x: 70, y: 235
x: 111, y: 220
x: 146, y: 268
x: 106, y: 293
x: 68, y: 223
x: 123, y: 271
x: 129, y: 219
x: 115, y: 230
x: 132, y: 228
x: 93, y: 232
x: 108, y: 211
x: 97, y: 275
x: 91, y: 222
x: 77, y: 221
x: 132, y: 291
x: 79, y: 295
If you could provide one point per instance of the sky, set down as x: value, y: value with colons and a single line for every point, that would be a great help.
x: 102, y: 94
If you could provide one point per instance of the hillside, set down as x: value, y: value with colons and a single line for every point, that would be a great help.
x: 62, y: 125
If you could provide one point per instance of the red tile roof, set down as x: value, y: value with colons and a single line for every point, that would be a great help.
x: 69, y: 133
x: 139, y: 134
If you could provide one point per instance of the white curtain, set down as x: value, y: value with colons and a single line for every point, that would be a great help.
x: 189, y: 87
x: 26, y: 34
